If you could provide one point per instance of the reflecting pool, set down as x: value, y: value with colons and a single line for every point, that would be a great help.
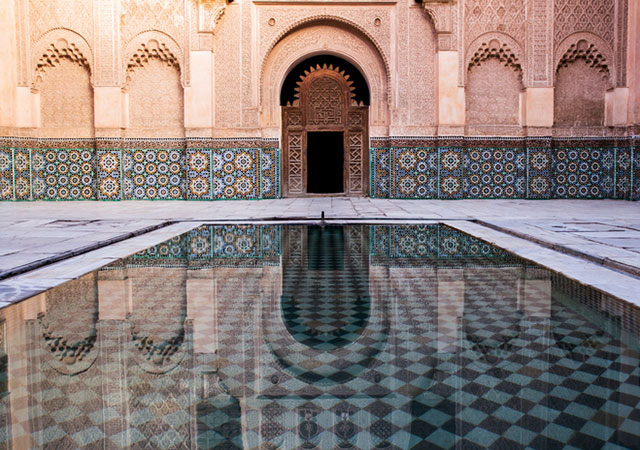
x: 286, y: 337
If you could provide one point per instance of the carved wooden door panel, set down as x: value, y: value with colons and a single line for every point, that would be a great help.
x: 324, y: 102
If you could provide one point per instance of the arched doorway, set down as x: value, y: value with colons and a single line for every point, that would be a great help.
x: 325, y: 103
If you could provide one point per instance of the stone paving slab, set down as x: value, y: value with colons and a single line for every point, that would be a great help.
x: 27, y: 244
x: 28, y: 284
x: 34, y: 234
x: 621, y: 250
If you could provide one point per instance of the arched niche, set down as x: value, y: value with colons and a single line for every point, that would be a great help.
x: 584, y: 72
x: 493, y: 81
x: 63, y: 77
x: 324, y: 37
x: 154, y: 82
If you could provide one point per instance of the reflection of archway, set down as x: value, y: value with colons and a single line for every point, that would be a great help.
x: 325, y: 131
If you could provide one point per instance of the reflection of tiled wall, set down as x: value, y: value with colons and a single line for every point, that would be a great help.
x: 149, y: 169
x: 432, y: 241
x: 215, y: 245
x: 535, y: 168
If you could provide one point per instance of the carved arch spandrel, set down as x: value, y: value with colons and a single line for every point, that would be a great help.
x: 594, y: 49
x: 56, y: 44
x: 319, y: 20
x: 499, y: 45
x: 153, y: 44
x: 323, y: 39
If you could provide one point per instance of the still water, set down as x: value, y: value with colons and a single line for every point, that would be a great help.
x: 283, y: 337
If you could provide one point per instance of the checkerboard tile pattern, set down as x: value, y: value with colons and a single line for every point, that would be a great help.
x: 429, y: 355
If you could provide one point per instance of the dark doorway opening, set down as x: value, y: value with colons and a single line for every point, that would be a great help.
x: 325, y: 161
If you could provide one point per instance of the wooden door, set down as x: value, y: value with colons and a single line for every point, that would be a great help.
x: 325, y: 102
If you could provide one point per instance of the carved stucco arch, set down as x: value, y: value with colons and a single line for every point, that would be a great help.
x: 55, y: 44
x: 603, y: 55
x: 154, y: 43
x: 514, y: 55
x: 325, y: 38
x: 324, y: 19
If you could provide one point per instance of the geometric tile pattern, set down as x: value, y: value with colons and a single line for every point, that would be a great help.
x: 109, y: 174
x: 199, y: 173
x: 6, y: 173
x: 416, y: 172
x: 210, y: 169
x: 153, y: 174
x: 380, y: 173
x: 451, y: 176
x: 495, y: 172
x: 539, y: 164
x: 22, y: 173
x: 623, y: 172
x: 582, y: 172
x: 635, y: 152
x: 533, y: 168
x: 493, y: 357
x: 235, y: 173
x: 63, y: 174
x: 270, y: 173
x: 150, y: 169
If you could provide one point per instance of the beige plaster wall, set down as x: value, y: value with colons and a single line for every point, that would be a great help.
x: 633, y: 64
x: 413, y: 55
x: 8, y: 62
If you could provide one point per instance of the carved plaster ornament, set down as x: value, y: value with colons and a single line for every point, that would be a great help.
x: 319, y: 67
x: 52, y: 55
x: 209, y: 14
x: 440, y: 12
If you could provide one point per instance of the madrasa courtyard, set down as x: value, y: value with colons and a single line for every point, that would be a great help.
x: 291, y: 224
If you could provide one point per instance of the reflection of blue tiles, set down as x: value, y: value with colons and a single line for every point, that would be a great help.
x: 507, y: 378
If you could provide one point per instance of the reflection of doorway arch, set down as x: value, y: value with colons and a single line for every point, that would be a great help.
x: 325, y: 131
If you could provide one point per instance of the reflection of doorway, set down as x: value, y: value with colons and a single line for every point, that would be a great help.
x: 325, y: 161
x: 325, y: 130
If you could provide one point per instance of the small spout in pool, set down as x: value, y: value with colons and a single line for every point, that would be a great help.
x: 322, y: 218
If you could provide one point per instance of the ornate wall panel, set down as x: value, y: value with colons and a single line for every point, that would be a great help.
x: 47, y: 14
x: 156, y: 98
x: 533, y: 168
x: 579, y: 94
x: 596, y: 16
x: 505, y: 16
x: 421, y: 96
x: 540, y: 44
x: 164, y: 15
x: 607, y: 19
x: 66, y: 96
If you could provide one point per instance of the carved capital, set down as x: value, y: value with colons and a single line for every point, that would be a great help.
x: 209, y: 14
x: 441, y: 13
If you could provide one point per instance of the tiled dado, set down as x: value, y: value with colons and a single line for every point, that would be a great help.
x: 162, y: 169
x: 478, y: 168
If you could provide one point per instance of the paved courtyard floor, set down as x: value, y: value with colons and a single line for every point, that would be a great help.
x: 43, y: 244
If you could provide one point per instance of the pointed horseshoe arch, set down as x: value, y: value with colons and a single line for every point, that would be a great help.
x: 325, y: 107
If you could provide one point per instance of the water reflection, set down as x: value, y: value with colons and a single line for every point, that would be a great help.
x: 317, y: 337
